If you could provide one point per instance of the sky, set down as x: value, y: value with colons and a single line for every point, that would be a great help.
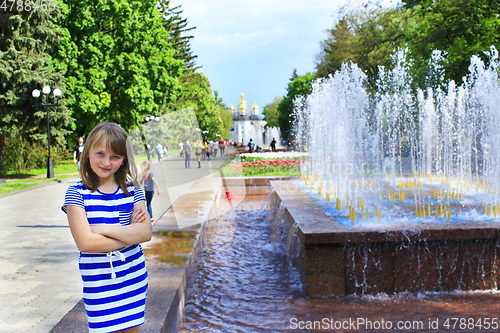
x: 253, y: 46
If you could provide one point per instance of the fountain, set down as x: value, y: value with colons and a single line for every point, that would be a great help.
x: 400, y: 189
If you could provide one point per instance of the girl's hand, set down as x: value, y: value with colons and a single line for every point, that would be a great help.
x: 138, y: 216
x: 159, y: 192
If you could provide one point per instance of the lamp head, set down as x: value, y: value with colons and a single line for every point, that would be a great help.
x: 57, y: 92
x: 35, y: 93
x: 46, y: 90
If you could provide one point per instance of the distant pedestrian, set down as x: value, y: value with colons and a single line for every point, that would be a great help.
x: 148, y: 151
x: 273, y: 144
x: 159, y: 151
x: 211, y: 146
x: 222, y: 146
x: 108, y: 220
x: 251, y: 146
x: 180, y: 146
x: 215, y: 147
x: 187, y: 154
x: 77, y: 152
x: 199, y: 151
x: 207, y: 149
x: 149, y: 185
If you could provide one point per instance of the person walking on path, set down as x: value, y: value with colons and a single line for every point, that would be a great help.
x: 251, y: 146
x: 273, y: 145
x: 207, y: 149
x: 187, y: 154
x: 215, y: 146
x: 107, y: 217
x: 149, y: 185
x: 199, y: 151
x: 222, y: 146
x: 180, y: 145
x: 77, y: 152
x: 159, y: 151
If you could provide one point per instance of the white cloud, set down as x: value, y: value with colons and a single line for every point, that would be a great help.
x: 253, y: 46
x: 238, y: 41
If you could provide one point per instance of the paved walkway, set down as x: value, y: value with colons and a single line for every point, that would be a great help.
x: 39, y: 278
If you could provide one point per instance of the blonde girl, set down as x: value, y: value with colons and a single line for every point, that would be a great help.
x: 108, y: 220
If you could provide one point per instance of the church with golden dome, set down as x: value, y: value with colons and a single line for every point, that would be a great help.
x: 247, y: 126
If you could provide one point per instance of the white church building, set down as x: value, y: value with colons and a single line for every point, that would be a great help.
x: 251, y: 126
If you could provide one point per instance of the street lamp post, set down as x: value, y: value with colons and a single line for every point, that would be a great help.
x: 154, y: 121
x: 57, y: 93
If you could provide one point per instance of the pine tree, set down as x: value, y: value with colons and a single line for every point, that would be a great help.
x: 176, y: 27
x: 26, y: 38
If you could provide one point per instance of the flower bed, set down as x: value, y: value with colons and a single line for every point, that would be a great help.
x: 263, y: 164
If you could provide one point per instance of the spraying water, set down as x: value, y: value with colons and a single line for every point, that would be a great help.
x: 427, y: 147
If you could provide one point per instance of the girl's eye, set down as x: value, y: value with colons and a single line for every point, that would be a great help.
x: 100, y: 154
x: 116, y: 157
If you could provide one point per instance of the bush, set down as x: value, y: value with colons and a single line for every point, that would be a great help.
x: 19, y: 154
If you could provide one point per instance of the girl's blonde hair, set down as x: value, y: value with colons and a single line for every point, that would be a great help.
x: 118, y: 142
x: 145, y: 165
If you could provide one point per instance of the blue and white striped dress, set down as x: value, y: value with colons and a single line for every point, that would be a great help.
x: 114, y: 283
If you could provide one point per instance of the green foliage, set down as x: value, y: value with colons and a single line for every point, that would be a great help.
x: 271, y: 114
x: 367, y: 37
x: 177, y: 29
x: 26, y: 41
x: 196, y: 93
x: 19, y: 154
x: 225, y: 115
x: 119, y: 63
x: 461, y: 28
x: 298, y: 86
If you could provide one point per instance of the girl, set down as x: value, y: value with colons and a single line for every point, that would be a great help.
x: 108, y: 219
x: 149, y: 185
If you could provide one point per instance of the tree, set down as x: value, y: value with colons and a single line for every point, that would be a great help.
x: 367, y: 37
x: 121, y: 66
x: 26, y: 40
x: 271, y: 114
x: 176, y: 27
x: 196, y: 93
x: 298, y: 86
x: 461, y: 28
x: 226, y: 117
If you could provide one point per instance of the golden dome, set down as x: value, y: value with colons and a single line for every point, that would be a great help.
x: 255, y: 109
x: 242, y: 108
x: 231, y: 110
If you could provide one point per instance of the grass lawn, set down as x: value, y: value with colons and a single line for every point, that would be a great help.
x: 17, y: 181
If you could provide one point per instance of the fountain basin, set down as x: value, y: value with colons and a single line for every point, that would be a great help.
x: 333, y: 259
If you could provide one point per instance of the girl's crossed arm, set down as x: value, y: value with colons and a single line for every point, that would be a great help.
x: 138, y: 231
x: 85, y: 239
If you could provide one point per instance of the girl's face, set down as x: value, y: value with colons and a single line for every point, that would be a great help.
x: 104, y: 162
